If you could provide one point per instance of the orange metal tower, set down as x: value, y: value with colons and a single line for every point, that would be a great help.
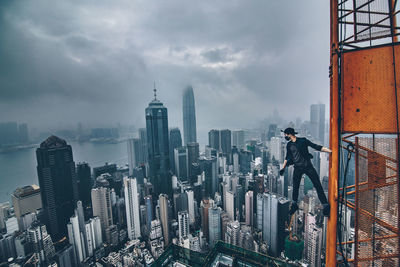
x: 364, y: 185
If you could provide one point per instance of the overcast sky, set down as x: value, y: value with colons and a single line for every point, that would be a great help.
x: 94, y: 61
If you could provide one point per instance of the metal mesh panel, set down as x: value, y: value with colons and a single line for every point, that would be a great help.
x: 376, y: 202
x: 365, y: 18
x: 366, y: 23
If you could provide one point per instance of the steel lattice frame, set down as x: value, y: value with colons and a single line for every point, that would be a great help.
x: 363, y: 71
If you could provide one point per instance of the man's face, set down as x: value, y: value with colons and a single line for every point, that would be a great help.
x: 287, y: 137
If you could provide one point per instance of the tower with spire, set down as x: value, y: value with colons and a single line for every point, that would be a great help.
x: 158, y: 146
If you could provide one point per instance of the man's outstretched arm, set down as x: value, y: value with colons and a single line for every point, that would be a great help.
x: 318, y: 147
x: 325, y: 149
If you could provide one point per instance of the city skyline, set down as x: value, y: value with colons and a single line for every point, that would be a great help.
x: 227, y: 69
x: 207, y: 198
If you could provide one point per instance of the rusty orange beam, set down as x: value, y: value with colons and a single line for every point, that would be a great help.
x: 379, y: 221
x: 390, y: 256
x: 370, y: 239
x: 334, y: 131
x: 370, y: 150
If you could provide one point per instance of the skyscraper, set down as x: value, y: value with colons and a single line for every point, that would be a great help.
x: 275, y: 214
x: 25, y: 200
x: 249, y: 202
x: 134, y: 157
x: 57, y: 180
x: 75, y: 237
x: 191, y: 208
x: 205, y: 205
x: 84, y: 182
x: 163, y: 202
x: 276, y: 149
x: 210, y: 169
x: 214, y: 224
x: 271, y: 131
x: 101, y: 205
x: 40, y: 242
x: 226, y: 143
x: 232, y: 233
x: 214, y: 139
x: 189, y: 116
x: 317, y: 122
x: 181, y: 163
x: 175, y: 141
x: 193, y: 157
x: 94, y: 235
x: 143, y: 145
x: 132, y: 208
x: 158, y: 146
x: 148, y: 201
x: 238, y: 139
x: 183, y: 224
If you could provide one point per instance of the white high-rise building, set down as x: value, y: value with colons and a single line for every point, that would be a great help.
x: 315, y: 245
x: 183, y: 224
x: 76, y: 238
x: 249, y: 200
x: 12, y: 225
x: 259, y: 222
x: 309, y: 220
x: 317, y: 122
x: 324, y: 165
x: 230, y: 204
x: 132, y: 208
x: 276, y: 148
x: 93, y: 235
x: 163, y: 203
x: 40, y: 241
x: 232, y: 233
x: 101, y: 205
x: 235, y: 159
x: 190, y: 197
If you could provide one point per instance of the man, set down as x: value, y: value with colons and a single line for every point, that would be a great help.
x: 297, y: 154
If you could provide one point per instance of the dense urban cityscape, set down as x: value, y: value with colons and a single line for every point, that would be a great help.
x: 199, y: 133
x: 170, y: 195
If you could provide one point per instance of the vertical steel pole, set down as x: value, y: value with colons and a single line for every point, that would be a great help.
x: 333, y: 138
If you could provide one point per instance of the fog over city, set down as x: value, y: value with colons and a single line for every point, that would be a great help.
x: 95, y: 61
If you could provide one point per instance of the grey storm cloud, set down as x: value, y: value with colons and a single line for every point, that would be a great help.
x: 96, y: 60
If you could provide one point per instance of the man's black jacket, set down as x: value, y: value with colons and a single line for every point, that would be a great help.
x: 301, y: 145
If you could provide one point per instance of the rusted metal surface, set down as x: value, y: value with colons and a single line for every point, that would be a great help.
x: 364, y: 73
x: 333, y: 138
x: 375, y: 202
x: 368, y: 90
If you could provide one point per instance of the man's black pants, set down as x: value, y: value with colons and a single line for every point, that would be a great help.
x: 313, y: 175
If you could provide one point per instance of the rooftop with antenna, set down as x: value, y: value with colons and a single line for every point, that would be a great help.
x: 155, y: 101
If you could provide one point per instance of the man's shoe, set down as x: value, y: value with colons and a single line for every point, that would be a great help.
x: 326, y: 210
x: 293, y: 208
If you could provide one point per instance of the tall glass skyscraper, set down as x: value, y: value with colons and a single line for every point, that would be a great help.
x: 214, y: 139
x: 317, y: 122
x: 175, y: 141
x: 189, y: 116
x: 158, y: 146
x: 57, y: 180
